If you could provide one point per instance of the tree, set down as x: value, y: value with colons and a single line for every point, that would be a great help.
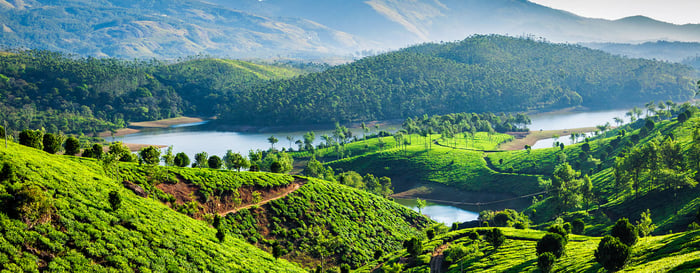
x: 612, y: 253
x: 551, y: 242
x: 414, y: 247
x: 32, y: 138
x: 200, y: 159
x: 52, y: 143
x: 495, y: 237
x: 277, y: 250
x: 72, y: 146
x: 181, y: 160
x: 624, y: 231
x: 115, y: 200
x: 121, y: 152
x: 545, y: 261
x: 291, y: 141
x: 645, y: 226
x: 168, y: 158
x: 214, y: 162
x: 272, y: 140
x: 577, y: 226
x: 150, y: 155
x: 95, y: 151
x: 587, y: 191
x: 309, y: 138
x: 420, y: 204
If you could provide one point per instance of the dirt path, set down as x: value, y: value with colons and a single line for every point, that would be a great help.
x: 437, y: 258
x: 295, y: 186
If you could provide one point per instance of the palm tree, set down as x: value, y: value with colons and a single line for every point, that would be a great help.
x: 619, y: 121
x: 651, y: 107
x: 291, y: 140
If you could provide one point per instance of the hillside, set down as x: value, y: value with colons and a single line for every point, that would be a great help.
x: 478, y: 74
x: 56, y: 216
x: 297, y: 29
x: 64, y: 93
x: 668, y: 253
x: 163, y: 29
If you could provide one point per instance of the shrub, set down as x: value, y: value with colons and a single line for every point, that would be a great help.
x: 214, y: 162
x: 577, y: 226
x: 430, y: 233
x: 612, y: 253
x: 553, y: 243
x: 495, y: 237
x: 181, y: 160
x: 115, y: 200
x: 32, y: 138
x: 473, y: 235
x: 558, y: 229
x: 52, y: 143
x: 545, y: 261
x: 413, y: 246
x: 625, y: 231
x: 72, y: 146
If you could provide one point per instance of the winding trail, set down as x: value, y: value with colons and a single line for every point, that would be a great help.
x: 437, y: 258
x: 294, y: 186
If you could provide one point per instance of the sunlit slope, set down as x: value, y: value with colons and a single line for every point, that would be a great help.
x: 66, y: 221
x: 668, y: 253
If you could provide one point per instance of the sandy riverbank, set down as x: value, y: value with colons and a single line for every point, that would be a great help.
x: 136, y: 127
x: 529, y: 138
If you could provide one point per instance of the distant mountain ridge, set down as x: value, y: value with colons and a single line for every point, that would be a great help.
x: 299, y: 29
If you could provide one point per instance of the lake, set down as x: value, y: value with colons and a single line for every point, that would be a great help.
x: 200, y: 137
x: 558, y: 121
x: 441, y: 213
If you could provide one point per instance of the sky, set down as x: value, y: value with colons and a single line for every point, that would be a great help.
x: 672, y: 11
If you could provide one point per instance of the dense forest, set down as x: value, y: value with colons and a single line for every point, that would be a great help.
x: 478, y: 74
x: 63, y: 93
x: 86, y: 95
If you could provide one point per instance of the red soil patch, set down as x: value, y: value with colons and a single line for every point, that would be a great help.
x: 229, y: 202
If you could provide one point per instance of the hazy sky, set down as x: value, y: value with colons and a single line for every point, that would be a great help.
x: 672, y: 11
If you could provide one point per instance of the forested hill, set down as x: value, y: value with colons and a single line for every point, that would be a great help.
x: 63, y: 93
x: 478, y: 74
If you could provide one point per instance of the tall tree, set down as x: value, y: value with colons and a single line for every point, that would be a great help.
x: 200, y: 160
x: 150, y: 155
x: 272, y: 140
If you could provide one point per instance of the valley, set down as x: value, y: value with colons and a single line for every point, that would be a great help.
x: 376, y: 136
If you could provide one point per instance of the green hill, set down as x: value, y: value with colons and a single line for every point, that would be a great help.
x: 668, y: 253
x: 56, y: 216
x: 478, y: 74
x: 62, y: 93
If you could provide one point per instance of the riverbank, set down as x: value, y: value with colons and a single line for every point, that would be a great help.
x: 530, y: 138
x: 136, y: 127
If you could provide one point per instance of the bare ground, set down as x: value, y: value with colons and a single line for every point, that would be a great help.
x: 529, y: 138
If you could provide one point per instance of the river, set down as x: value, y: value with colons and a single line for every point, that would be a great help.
x: 195, y: 138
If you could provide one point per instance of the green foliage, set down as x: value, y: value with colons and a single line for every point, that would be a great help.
x: 95, y: 151
x: 235, y: 161
x: 612, y: 253
x: 181, y: 160
x: 551, y: 243
x: 414, y: 247
x: 214, y: 162
x: 645, y: 225
x: 577, y: 226
x: 72, y: 146
x: 115, y: 200
x: 545, y: 261
x: 625, y: 232
x: 121, y: 152
x: 201, y: 160
x: 32, y: 138
x: 150, y: 155
x: 52, y: 143
x: 342, y: 224
x: 64, y: 210
x: 495, y: 237
x: 478, y: 74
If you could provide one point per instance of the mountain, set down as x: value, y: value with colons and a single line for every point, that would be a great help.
x: 660, y: 50
x: 301, y: 29
x: 161, y: 29
x: 396, y: 23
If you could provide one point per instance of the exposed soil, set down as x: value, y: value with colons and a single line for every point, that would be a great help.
x: 165, y: 123
x: 437, y: 258
x: 529, y: 138
x: 229, y: 202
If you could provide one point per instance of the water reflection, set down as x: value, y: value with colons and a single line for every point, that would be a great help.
x: 441, y: 213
